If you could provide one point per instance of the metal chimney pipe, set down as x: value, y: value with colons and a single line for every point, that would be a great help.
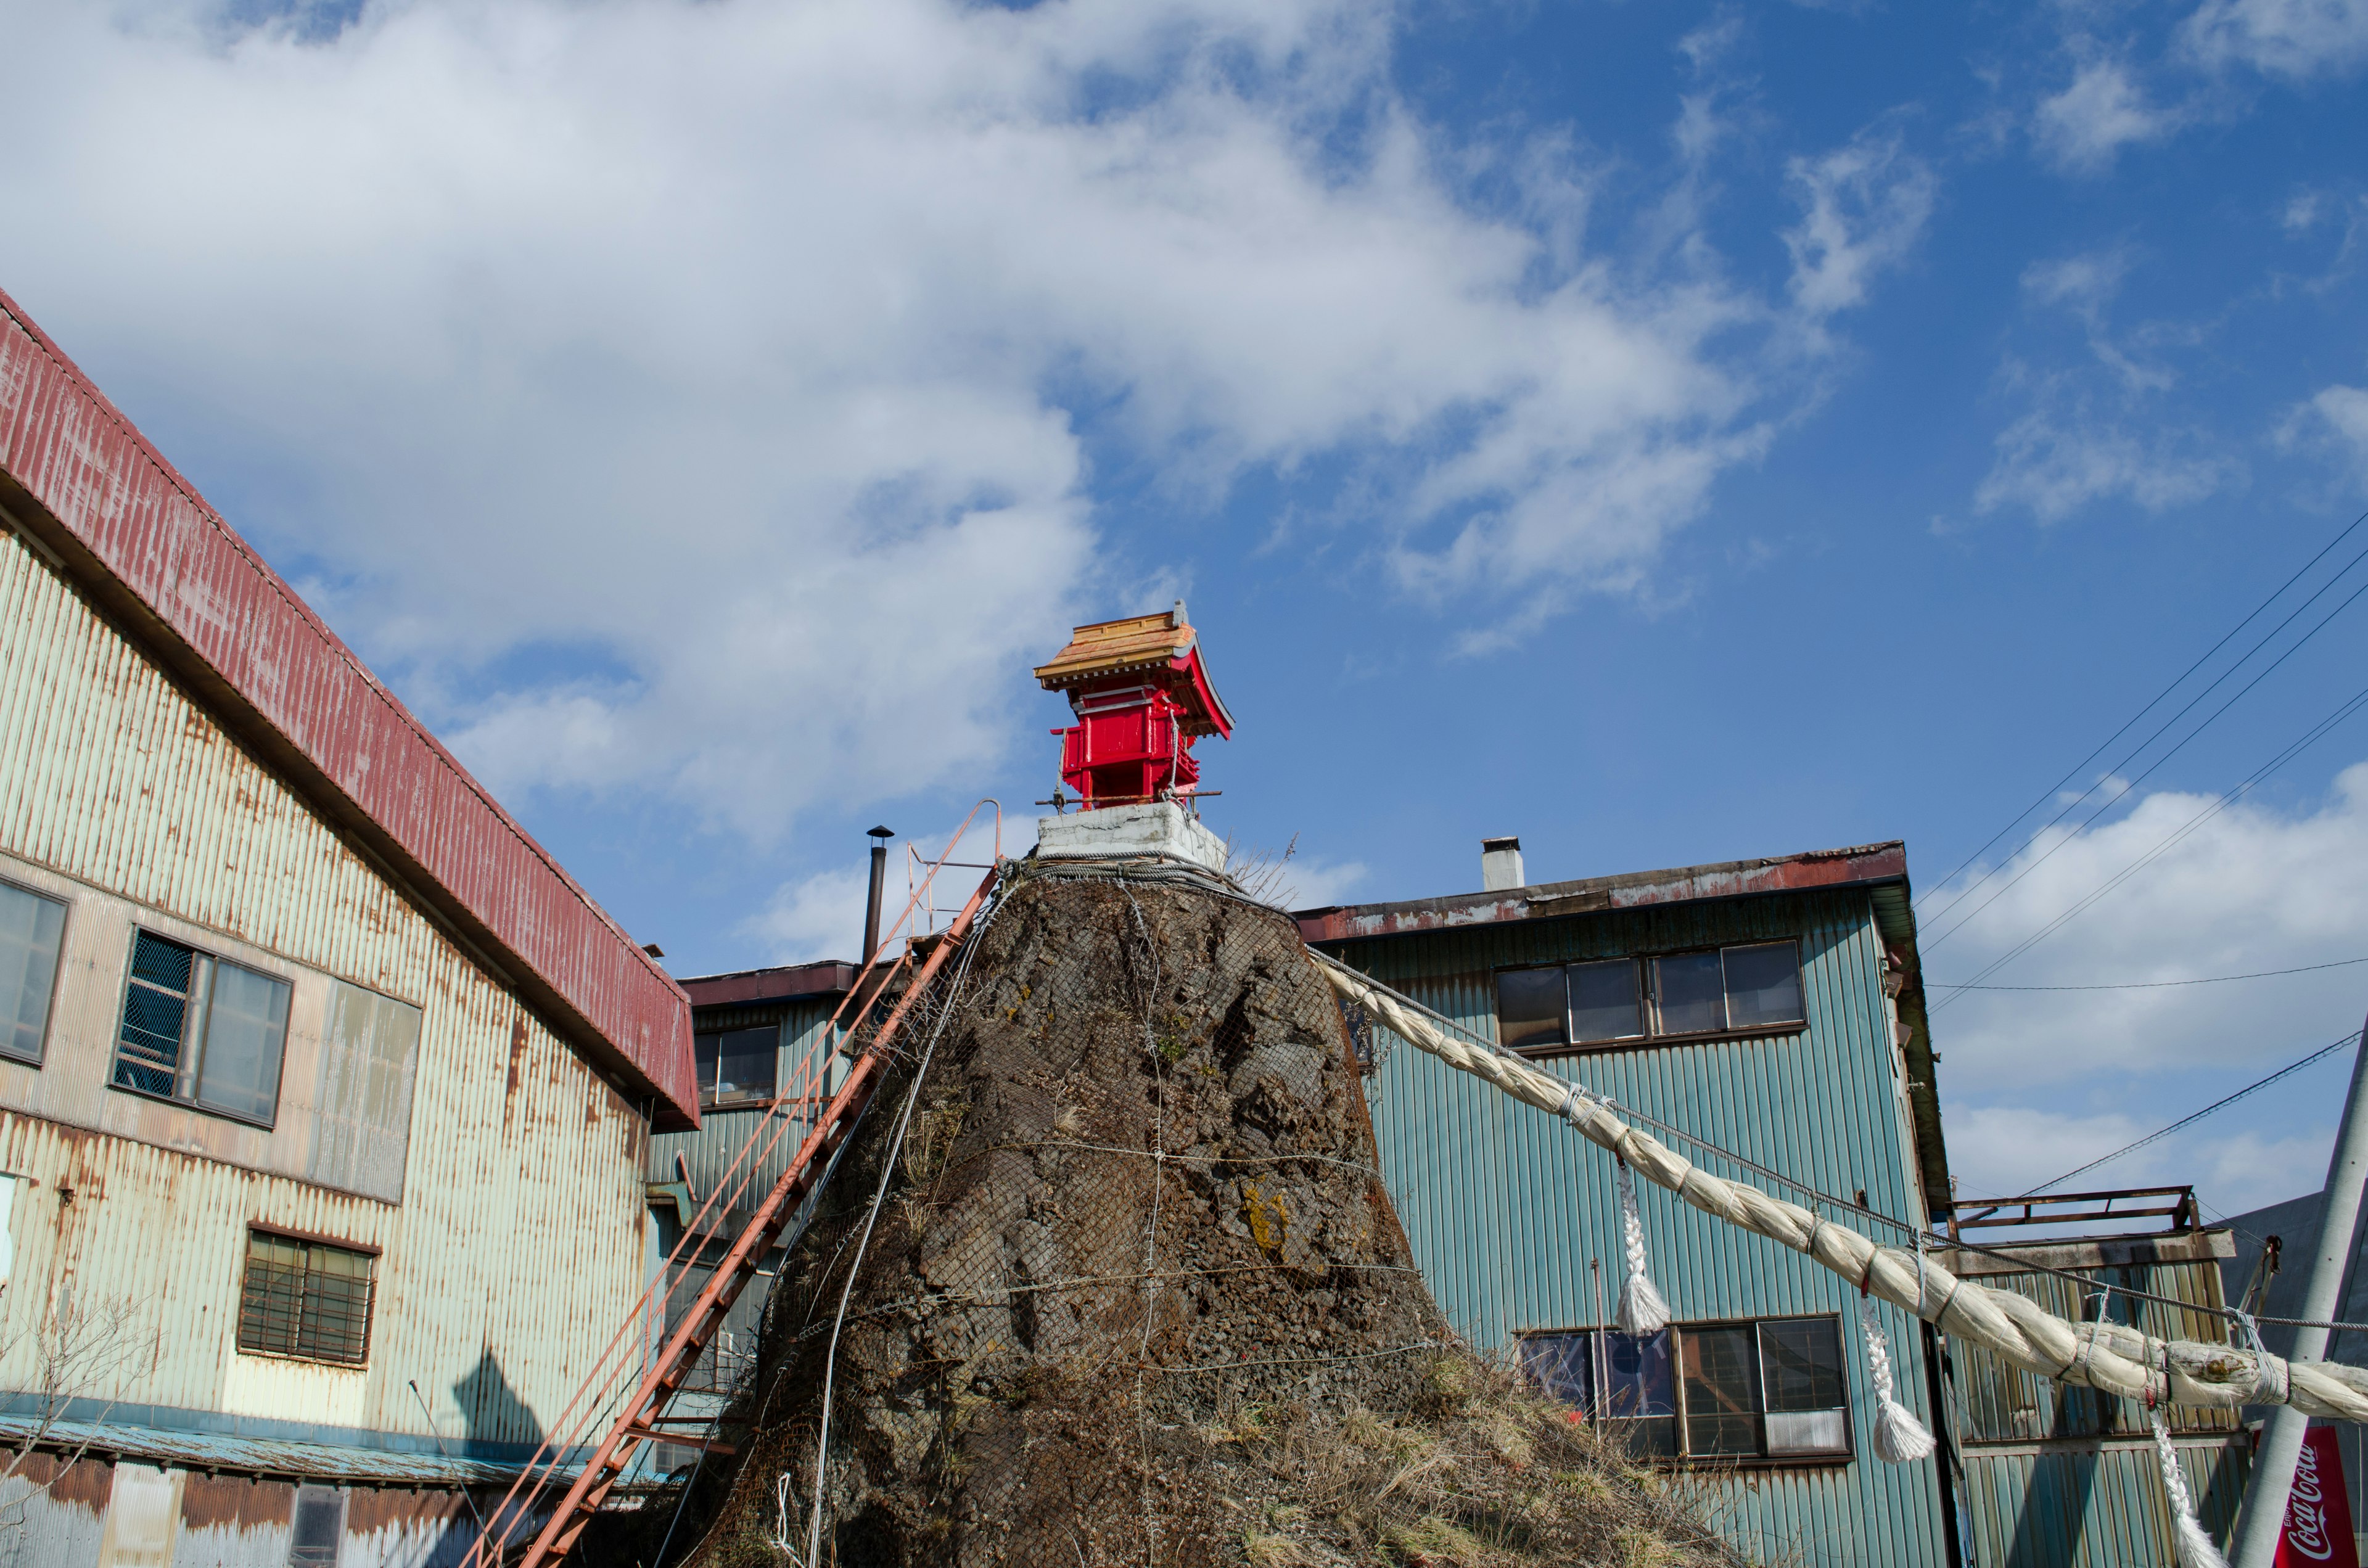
x: 1500, y: 865
x: 880, y: 837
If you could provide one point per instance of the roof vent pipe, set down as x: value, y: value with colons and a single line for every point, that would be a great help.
x: 1500, y: 865
x: 880, y: 837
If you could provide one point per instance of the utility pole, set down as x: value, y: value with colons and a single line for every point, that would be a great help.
x: 880, y: 837
x: 2262, y: 1520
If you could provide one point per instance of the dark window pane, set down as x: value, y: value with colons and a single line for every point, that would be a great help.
x: 29, y: 928
x: 703, y: 1051
x: 1646, y: 1437
x: 1561, y: 1365
x: 1763, y: 985
x: 155, y: 1008
x: 1689, y: 993
x: 1636, y: 1376
x: 1801, y: 1363
x: 1529, y: 1006
x: 744, y: 1063
x: 246, y: 1024
x: 320, y: 1524
x: 1722, y: 1398
x: 1603, y: 1001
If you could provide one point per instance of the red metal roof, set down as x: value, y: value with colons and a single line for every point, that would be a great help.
x: 751, y: 987
x: 143, y: 543
x: 1784, y: 873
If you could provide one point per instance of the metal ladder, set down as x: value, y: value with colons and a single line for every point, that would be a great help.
x: 642, y: 1417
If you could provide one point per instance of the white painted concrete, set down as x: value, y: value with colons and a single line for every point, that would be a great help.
x: 1154, y: 827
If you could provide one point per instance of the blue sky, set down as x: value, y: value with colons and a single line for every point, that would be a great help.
x: 1670, y: 433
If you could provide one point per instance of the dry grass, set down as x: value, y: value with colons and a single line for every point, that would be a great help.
x: 1485, y: 1475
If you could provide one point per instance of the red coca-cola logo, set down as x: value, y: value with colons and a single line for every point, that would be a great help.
x: 2306, y: 1529
x: 2318, y: 1514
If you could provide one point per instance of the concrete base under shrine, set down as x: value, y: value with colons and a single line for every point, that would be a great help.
x: 1116, y: 833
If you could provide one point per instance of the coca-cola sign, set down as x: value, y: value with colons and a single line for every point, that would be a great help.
x: 2318, y: 1510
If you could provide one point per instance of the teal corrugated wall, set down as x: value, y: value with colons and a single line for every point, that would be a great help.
x: 1505, y: 1207
x: 2097, y: 1505
x: 709, y: 1151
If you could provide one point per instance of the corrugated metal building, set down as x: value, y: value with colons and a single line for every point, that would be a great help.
x: 1773, y: 1008
x: 325, y: 1095
x: 2056, y: 1476
x: 761, y: 1037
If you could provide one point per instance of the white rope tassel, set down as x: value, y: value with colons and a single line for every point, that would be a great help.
x: 2195, y: 1547
x: 1642, y: 1311
x: 1899, y: 1437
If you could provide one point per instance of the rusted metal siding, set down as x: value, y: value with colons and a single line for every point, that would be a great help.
x: 518, y: 1245
x: 1632, y: 889
x: 140, y: 537
x: 197, y: 1520
x: 1506, y: 1208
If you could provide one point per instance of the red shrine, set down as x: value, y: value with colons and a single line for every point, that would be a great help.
x: 1142, y: 696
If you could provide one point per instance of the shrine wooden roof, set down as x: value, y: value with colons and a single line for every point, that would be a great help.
x: 1162, y: 648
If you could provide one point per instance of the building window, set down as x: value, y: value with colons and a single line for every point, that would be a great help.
x: 32, y: 928
x: 736, y: 1066
x: 306, y: 1299
x: 319, y: 1528
x: 1765, y: 1390
x: 201, y: 1030
x: 1721, y: 991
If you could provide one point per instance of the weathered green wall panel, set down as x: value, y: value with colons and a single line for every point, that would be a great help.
x: 1506, y: 1207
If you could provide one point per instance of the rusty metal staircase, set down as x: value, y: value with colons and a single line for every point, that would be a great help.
x: 504, y: 1540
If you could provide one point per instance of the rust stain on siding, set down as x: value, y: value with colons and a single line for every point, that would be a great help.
x: 209, y: 1501
x: 86, y: 1484
x: 518, y: 1061
x: 372, y: 1509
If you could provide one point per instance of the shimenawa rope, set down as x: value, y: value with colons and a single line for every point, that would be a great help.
x: 2103, y: 1356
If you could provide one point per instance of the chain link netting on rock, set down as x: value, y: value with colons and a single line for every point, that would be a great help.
x: 1131, y: 1245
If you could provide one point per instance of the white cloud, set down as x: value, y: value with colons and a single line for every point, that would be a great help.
x: 2254, y: 888
x: 2037, y: 1082
x: 1864, y: 207
x: 2008, y: 1148
x: 680, y: 399
x: 2334, y: 422
x: 818, y: 916
x: 2083, y: 128
x: 2295, y: 38
x: 2057, y: 458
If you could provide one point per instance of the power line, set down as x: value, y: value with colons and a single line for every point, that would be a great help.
x: 2053, y: 788
x: 2152, y: 984
x: 2309, y: 737
x: 2151, y: 768
x: 2189, y: 1120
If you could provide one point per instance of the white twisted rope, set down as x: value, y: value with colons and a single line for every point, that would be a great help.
x: 1899, y: 1437
x: 2101, y: 1355
x: 2195, y: 1547
x: 1642, y: 1311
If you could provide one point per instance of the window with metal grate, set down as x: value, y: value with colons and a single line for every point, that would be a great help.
x: 306, y: 1299
x: 201, y: 1030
